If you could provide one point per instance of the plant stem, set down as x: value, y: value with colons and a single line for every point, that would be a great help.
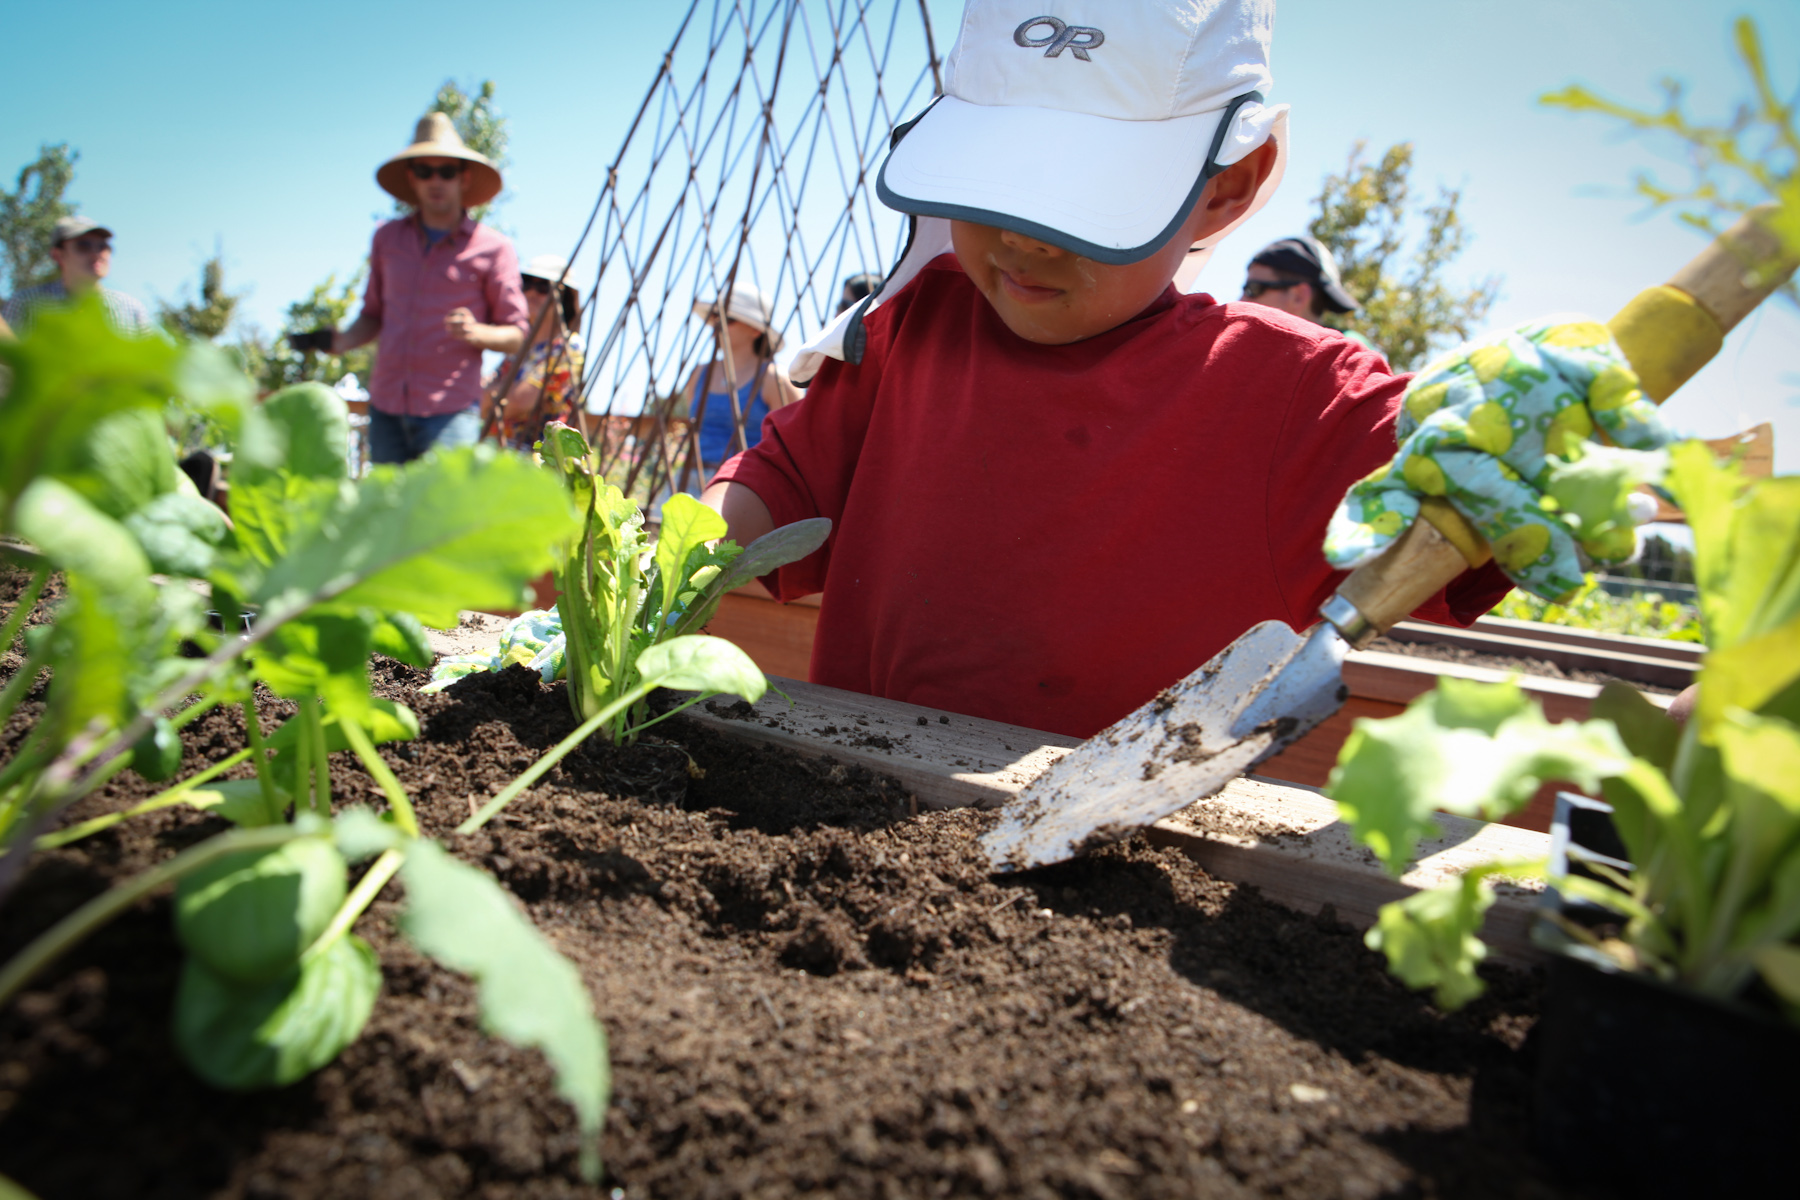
x: 166, y: 799
x: 16, y: 687
x: 682, y: 707
x: 47, y: 946
x: 265, y: 773
x: 377, y: 767
x: 555, y: 755
x: 312, y: 731
x: 27, y: 601
x: 367, y: 888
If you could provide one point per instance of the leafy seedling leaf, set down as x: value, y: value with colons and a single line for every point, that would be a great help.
x: 239, y: 801
x: 249, y: 916
x: 530, y: 995
x: 687, y: 525
x: 465, y: 528
x: 702, y: 664
x: 777, y: 548
x: 180, y: 533
x: 1470, y: 748
x: 400, y: 636
x: 157, y: 755
x: 242, y: 1038
x: 1430, y: 939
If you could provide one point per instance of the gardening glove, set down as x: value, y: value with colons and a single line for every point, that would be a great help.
x: 533, y: 639
x: 312, y: 339
x: 1495, y: 427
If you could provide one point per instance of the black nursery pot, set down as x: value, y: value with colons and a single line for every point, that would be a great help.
x: 1657, y: 1090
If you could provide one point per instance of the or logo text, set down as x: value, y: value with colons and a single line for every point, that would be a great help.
x: 1077, y: 39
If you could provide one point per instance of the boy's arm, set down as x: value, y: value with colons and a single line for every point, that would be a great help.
x: 746, y: 516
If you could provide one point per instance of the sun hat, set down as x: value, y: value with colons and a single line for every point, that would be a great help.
x: 1092, y: 126
x: 73, y: 227
x: 1311, y: 260
x: 555, y: 269
x: 436, y: 137
x: 747, y: 304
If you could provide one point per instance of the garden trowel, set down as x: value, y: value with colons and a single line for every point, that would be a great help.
x: 1272, y: 685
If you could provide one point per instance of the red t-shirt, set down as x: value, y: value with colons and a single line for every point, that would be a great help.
x: 1049, y: 535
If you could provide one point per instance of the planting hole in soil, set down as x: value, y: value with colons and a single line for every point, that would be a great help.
x: 806, y: 990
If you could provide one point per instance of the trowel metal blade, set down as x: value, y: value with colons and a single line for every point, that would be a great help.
x: 1248, y: 702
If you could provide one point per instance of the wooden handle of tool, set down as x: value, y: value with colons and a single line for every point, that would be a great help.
x: 1668, y: 333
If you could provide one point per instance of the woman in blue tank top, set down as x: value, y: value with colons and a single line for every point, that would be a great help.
x: 729, y: 397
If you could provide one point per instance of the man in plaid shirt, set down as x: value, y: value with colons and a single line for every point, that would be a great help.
x: 82, y: 251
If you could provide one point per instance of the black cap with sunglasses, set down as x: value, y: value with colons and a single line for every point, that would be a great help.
x: 1306, y: 261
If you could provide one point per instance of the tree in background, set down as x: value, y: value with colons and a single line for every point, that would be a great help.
x: 274, y: 364
x: 1735, y: 165
x: 207, y: 317
x: 27, y: 214
x: 1408, y: 309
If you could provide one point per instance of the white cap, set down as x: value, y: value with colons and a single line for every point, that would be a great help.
x: 1091, y: 124
x: 744, y: 302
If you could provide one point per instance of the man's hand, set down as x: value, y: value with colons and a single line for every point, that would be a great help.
x: 462, y: 325
x: 313, y: 339
x: 1500, y: 430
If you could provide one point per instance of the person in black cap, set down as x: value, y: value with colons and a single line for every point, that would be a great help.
x: 1298, y: 275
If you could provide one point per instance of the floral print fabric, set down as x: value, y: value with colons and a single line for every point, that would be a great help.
x: 554, y: 368
x: 1482, y: 427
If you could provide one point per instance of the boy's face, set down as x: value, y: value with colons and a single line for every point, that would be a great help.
x: 1053, y: 296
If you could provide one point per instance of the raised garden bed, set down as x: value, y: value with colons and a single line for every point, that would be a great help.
x: 811, y: 985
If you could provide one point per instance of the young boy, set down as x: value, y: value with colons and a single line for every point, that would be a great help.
x: 1058, y: 483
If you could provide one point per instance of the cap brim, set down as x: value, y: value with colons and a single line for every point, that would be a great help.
x: 1113, y: 191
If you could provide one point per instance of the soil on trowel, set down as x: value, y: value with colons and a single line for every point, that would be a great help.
x: 808, y: 991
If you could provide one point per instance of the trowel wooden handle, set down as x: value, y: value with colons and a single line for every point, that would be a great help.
x: 1668, y: 333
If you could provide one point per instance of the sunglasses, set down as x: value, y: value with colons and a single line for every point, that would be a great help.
x: 535, y: 285
x: 89, y: 245
x: 1256, y: 287
x: 422, y: 171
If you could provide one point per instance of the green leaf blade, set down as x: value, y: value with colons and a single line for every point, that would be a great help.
x: 529, y: 994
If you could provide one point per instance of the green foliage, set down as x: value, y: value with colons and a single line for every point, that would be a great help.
x: 1430, y: 938
x: 619, y: 597
x: 245, y: 1037
x: 273, y: 364
x: 1366, y: 218
x: 1709, y: 812
x: 29, y: 213
x: 249, y: 916
x: 1468, y: 748
x: 207, y: 316
x: 1647, y: 614
x: 530, y: 995
x: 274, y: 985
x: 1734, y: 165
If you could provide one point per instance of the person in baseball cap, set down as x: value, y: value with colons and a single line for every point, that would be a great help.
x: 81, y: 248
x: 1033, y: 401
x: 1298, y: 275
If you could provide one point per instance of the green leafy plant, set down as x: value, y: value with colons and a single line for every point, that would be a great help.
x: 1647, y: 614
x: 1709, y: 812
x: 1735, y: 165
x: 275, y: 984
x: 621, y: 596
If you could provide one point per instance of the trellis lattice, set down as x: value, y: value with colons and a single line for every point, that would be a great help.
x: 753, y: 157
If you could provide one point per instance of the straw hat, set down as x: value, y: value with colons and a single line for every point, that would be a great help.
x: 745, y: 303
x: 553, y: 269
x: 436, y: 137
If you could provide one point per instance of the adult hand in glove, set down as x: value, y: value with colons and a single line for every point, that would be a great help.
x: 312, y: 339
x: 1499, y: 430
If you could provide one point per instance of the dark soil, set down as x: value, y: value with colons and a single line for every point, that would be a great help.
x: 808, y: 992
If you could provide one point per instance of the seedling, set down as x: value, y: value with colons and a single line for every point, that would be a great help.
x: 1709, y: 813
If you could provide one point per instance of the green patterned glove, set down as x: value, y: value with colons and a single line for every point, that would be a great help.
x: 1491, y: 427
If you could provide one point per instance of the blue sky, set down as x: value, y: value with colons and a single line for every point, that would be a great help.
x: 258, y: 127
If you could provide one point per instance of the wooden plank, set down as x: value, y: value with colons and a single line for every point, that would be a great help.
x: 1284, y: 840
x: 1308, y: 762
x: 1379, y: 675
x: 1689, y: 652
x: 1622, y: 664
